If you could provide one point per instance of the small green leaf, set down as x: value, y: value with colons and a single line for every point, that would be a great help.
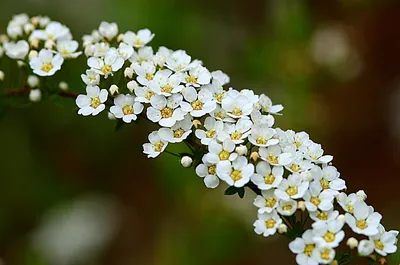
x: 241, y: 192
x: 233, y: 190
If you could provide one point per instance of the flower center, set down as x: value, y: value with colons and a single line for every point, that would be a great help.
x: 378, y: 244
x: 167, y: 112
x: 219, y: 97
x: 46, y: 67
x: 211, y: 133
x: 287, y: 207
x: 106, y: 69
x: 270, y: 202
x: 295, y: 168
x: 95, y: 102
x: 308, y: 249
x: 127, y: 109
x: 362, y: 224
x: 220, y: 115
x: 270, y: 223
x: 322, y: 216
x: 350, y: 208
x: 158, y: 146
x: 191, y: 79
x: 149, y: 76
x: 269, y: 179
x: 324, y: 184
x: 166, y: 89
x: 237, y: 112
x: 315, y: 200
x: 149, y: 94
x: 236, y: 175
x: 261, y: 140
x: 224, y: 155
x: 197, y: 105
x: 291, y: 191
x: 298, y: 144
x: 178, y: 133
x: 272, y: 158
x: 211, y: 170
x: 325, y: 254
x: 236, y: 136
x: 329, y: 237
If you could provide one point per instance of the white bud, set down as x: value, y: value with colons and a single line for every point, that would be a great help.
x: 341, y: 218
x: 282, y: 229
x: 132, y: 85
x: 35, y: 21
x: 63, y: 86
x: 361, y: 195
x: 33, y: 81
x: 35, y: 95
x: 365, y: 247
x: 20, y: 64
x: 89, y: 50
x: 113, y: 89
x: 28, y: 28
x: 32, y: 54
x: 14, y: 30
x: 241, y: 150
x: 43, y: 21
x: 1, y: 75
x: 49, y: 44
x: 186, y: 161
x: 111, y: 116
x: 128, y: 72
x: 120, y: 37
x: 352, y: 242
x: 301, y: 205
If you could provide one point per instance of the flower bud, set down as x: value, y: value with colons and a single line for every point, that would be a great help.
x: 132, y: 85
x: 186, y: 161
x: 254, y: 156
x: 120, y: 37
x: 33, y: 81
x: 3, y: 38
x: 89, y: 50
x: 241, y: 150
x: 301, y: 205
x: 1, y: 75
x: 282, y: 229
x: 342, y: 218
x: 128, y: 72
x: 34, y: 43
x: 35, y: 95
x: 63, y: 86
x: 352, y: 243
x: 28, y: 28
x: 20, y: 64
x: 49, y: 44
x: 113, y: 90
x: 43, y: 21
x: 257, y: 106
x: 32, y: 54
x: 365, y: 247
x: 111, y: 116
x: 35, y: 21
x: 382, y: 261
x: 361, y: 195
x: 196, y: 123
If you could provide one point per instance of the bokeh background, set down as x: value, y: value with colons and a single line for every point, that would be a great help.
x: 74, y: 192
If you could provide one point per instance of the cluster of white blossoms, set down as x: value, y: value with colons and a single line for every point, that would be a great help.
x: 229, y: 134
x: 39, y: 42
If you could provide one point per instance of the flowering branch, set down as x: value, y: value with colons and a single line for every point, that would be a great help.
x: 229, y: 133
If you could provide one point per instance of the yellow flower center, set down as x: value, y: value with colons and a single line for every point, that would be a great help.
x: 298, y: 144
x: 224, y: 155
x: 269, y: 179
x: 287, y: 207
x: 211, y: 133
x: 95, y: 102
x: 295, y: 168
x: 270, y: 202
x: 167, y: 112
x: 178, y: 133
x: 308, y: 249
x: 220, y: 115
x: 149, y: 94
x: 158, y: 146
x: 325, y: 254
x: 46, y: 67
x: 329, y: 237
x: 270, y: 223
x: 191, y: 79
x: 219, y: 97
x: 324, y: 184
x: 261, y: 140
x: 315, y: 200
x: 236, y: 136
x: 197, y: 105
x: 127, y: 109
x: 166, y: 89
x: 322, y: 216
x: 106, y: 69
x: 237, y: 112
x: 211, y: 170
x: 378, y: 244
x: 236, y: 175
x: 149, y: 76
x: 350, y: 208
x: 362, y: 224
x: 291, y: 191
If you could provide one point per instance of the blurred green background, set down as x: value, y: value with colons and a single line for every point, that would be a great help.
x: 72, y: 191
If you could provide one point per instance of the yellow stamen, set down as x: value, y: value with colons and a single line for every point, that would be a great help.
x: 127, y: 109
x: 236, y: 175
x: 46, y: 67
x: 269, y: 179
x: 167, y: 112
x: 95, y: 102
x: 270, y: 223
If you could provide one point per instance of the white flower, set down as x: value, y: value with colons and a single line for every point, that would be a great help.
x: 236, y: 174
x: 35, y: 95
x: 273, y: 155
x: 143, y: 94
x: 314, y: 152
x: 138, y: 40
x: 145, y: 72
x: 267, y: 202
x: 125, y: 50
x: 208, y: 171
x: 260, y: 119
x: 47, y: 63
x: 267, y: 178
x: 324, y: 216
x: 53, y: 31
x: 237, y: 107
x: 267, y: 106
x: 324, y: 255
x: 33, y: 81
x: 100, y: 49
x: 237, y: 132
x: 67, y: 48
x: 143, y: 54
x: 304, y: 247
x: 161, y: 56
x: 347, y: 202
x: 328, y: 234
x: 385, y: 242
x: 220, y: 114
x: 221, y: 152
x: 216, y: 90
x: 91, y: 78
x: 155, y: 147
x: 316, y: 198
x: 166, y: 111
x: 178, y: 132
x: 262, y: 136
x: 221, y: 77
x: 165, y: 83
x: 287, y: 208
x: 28, y: 28
x: 186, y: 161
x: 14, y: 30
x: 199, y: 103
x: 293, y: 187
x: 178, y: 61
x: 126, y: 108
x: 213, y: 128
x: 197, y: 76
x: 93, y: 102
x: 364, y: 221
x: 328, y: 178
x: 267, y: 223
x: 108, y: 30
x: 16, y: 50
x: 112, y: 62
x: 365, y: 248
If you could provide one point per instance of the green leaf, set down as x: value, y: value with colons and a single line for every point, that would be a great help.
x: 233, y: 190
x: 241, y: 192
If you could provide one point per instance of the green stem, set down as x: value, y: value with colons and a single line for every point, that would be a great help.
x: 171, y: 153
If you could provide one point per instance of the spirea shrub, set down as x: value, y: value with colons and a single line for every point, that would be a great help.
x: 229, y: 133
